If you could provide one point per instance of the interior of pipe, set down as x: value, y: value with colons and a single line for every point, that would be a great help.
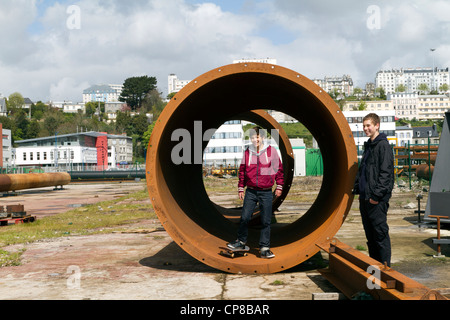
x: 224, y: 98
x: 263, y: 119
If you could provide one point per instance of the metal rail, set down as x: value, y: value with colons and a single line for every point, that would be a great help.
x: 353, y: 272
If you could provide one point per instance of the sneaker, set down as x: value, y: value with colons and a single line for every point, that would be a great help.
x: 236, y: 245
x: 267, y: 254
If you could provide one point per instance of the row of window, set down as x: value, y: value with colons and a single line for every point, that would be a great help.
x: 232, y: 149
x: 30, y: 155
x: 360, y: 119
x: 227, y: 135
x: 360, y: 134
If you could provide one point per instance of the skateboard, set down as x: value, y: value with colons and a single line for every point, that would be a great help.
x: 228, y: 252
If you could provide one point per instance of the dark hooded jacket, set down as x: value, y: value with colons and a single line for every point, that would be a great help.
x: 375, y: 178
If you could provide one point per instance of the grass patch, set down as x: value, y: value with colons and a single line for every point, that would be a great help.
x: 102, y: 217
x: 9, y: 259
x: 277, y: 283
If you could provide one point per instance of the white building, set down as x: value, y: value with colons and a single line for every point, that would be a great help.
x: 102, y: 93
x: 6, y: 145
x: 75, y: 151
x: 343, y: 85
x: 369, y: 105
x: 3, y: 110
x: 432, y: 107
x: 74, y: 108
x: 355, y: 121
x: 226, y: 145
x: 404, y: 135
x: 404, y: 104
x: 175, y: 84
x: 411, y: 78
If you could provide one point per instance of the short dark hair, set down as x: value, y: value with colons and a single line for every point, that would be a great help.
x: 373, y: 117
x: 257, y: 131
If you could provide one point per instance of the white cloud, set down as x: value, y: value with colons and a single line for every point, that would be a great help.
x: 119, y: 39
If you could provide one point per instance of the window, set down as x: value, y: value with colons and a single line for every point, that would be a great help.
x: 45, y: 155
x: 31, y: 156
x: 24, y: 156
x: 38, y: 156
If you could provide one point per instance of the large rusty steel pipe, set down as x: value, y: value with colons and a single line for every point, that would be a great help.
x: 15, y: 182
x: 177, y: 191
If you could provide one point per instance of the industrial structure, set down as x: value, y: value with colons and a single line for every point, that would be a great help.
x: 177, y: 192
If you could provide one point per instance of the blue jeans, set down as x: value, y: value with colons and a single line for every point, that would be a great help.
x: 264, y: 198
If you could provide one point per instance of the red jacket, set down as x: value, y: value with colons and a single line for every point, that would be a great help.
x: 260, y: 170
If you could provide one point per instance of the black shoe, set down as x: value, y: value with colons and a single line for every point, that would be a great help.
x: 236, y: 245
x: 267, y: 254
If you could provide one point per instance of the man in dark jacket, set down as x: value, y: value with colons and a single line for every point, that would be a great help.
x: 374, y: 184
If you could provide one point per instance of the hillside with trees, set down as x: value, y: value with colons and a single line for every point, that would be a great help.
x: 44, y: 120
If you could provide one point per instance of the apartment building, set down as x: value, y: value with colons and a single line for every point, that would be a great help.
x: 405, y: 105
x: 226, y: 146
x: 411, y: 79
x: 3, y: 110
x: 343, y: 85
x: 5, y: 147
x: 102, y: 93
x: 432, y: 107
x: 176, y: 84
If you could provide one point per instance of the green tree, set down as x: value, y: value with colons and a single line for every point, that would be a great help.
x: 51, y: 124
x: 123, y: 122
x: 443, y: 88
x: 15, y: 102
x: 135, y: 90
x: 147, y: 134
x: 154, y: 104
x: 90, y: 109
x: 381, y: 93
x: 139, y: 124
x: 362, y: 105
x: 33, y: 130
x: 423, y: 88
x: 400, y: 88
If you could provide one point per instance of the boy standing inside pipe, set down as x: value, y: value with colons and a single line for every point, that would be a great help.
x: 374, y: 184
x: 261, y: 167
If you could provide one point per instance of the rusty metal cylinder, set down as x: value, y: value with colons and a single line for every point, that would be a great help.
x: 176, y: 188
x: 15, y: 182
x: 424, y: 171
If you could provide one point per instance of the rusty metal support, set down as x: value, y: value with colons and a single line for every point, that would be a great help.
x: 15, y: 182
x: 353, y: 272
x: 177, y: 191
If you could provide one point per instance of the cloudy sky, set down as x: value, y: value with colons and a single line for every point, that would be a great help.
x: 54, y: 49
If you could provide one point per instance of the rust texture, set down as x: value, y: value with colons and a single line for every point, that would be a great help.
x: 177, y: 191
x: 15, y: 182
x: 351, y: 270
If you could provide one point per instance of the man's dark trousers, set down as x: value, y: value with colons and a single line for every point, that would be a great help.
x: 374, y: 219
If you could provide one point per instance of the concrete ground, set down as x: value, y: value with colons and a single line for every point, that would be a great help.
x: 148, y: 265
